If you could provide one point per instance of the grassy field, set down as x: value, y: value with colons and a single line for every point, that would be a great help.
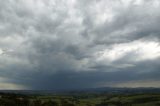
x: 80, y: 100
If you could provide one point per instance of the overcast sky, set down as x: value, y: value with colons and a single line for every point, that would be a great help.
x: 70, y: 44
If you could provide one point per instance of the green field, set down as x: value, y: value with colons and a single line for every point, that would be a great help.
x: 80, y: 100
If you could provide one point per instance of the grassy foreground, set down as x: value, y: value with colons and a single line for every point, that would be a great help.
x: 8, y: 99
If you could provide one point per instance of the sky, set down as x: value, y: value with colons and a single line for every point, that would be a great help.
x: 76, y: 44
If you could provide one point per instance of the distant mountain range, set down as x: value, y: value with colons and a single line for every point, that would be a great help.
x: 107, y: 90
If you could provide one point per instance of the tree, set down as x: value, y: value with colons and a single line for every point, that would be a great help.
x: 50, y: 103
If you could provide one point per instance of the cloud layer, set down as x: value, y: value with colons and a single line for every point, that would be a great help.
x: 59, y: 44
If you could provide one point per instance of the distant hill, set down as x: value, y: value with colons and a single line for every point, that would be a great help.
x: 109, y: 90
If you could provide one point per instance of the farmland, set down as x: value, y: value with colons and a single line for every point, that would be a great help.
x: 80, y: 99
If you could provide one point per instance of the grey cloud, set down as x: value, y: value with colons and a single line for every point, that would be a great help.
x: 131, y: 23
x: 54, y: 43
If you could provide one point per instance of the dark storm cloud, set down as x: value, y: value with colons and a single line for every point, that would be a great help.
x: 62, y: 44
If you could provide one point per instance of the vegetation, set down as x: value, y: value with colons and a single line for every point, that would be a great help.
x: 7, y: 99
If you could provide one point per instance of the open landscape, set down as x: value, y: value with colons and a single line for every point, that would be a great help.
x: 98, y: 97
x: 79, y: 52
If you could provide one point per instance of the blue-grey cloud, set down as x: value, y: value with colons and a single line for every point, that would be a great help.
x: 58, y: 44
